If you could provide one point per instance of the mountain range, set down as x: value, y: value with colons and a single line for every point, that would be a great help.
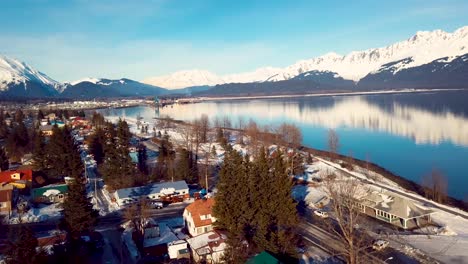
x: 424, y: 47
x: 429, y: 59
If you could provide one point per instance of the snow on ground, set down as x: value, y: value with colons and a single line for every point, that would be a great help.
x: 39, y: 214
x: 130, y: 244
x: 312, y: 196
x: 103, y: 202
x: 448, y: 243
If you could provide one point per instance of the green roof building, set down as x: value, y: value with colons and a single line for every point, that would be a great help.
x: 53, y: 193
x: 263, y: 258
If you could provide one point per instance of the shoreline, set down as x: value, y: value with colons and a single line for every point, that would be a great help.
x: 408, y: 185
x: 402, y: 91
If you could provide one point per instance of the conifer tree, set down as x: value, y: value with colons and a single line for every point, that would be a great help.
x: 39, y: 152
x: 96, y: 145
x: 40, y: 115
x: 3, y: 125
x: 285, y: 217
x: 4, y: 162
x: 142, y: 159
x: 21, y: 246
x: 184, y: 166
x: 78, y: 212
x: 117, y: 168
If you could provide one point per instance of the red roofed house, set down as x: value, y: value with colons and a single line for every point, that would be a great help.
x: 198, y: 216
x: 18, y: 178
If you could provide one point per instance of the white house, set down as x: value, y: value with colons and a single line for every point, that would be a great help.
x: 208, y: 247
x: 394, y: 209
x: 153, y: 191
x: 198, y: 217
x: 177, y: 249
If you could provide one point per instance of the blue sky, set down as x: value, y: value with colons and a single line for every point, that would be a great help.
x: 70, y: 40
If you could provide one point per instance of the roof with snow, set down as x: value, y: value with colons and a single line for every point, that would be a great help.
x: 394, y: 204
x: 157, y: 188
x: 48, y: 190
x: 165, y: 236
x: 213, y: 241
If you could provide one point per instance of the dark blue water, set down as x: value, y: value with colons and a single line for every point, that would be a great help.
x: 408, y: 134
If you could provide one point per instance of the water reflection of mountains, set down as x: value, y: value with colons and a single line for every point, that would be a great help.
x: 426, y: 118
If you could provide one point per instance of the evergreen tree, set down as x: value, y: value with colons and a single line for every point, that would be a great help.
x: 266, y: 222
x: 184, y: 166
x: 285, y: 217
x: 62, y: 155
x: 39, y: 153
x: 19, y: 116
x: 78, y: 212
x: 4, y: 163
x: 21, y: 246
x: 17, y: 141
x: 142, y: 159
x: 3, y: 125
x: 96, y: 145
x: 117, y: 169
x: 40, y: 115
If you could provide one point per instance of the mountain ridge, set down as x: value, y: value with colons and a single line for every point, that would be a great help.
x: 423, y: 47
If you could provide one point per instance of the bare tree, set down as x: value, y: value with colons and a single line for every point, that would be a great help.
x: 253, y: 133
x: 290, y: 134
x: 204, y: 127
x: 240, y: 122
x: 227, y: 122
x: 435, y: 184
x: 138, y: 214
x: 333, y: 141
x: 347, y: 212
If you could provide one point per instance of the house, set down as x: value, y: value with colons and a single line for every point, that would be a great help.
x: 53, y: 193
x: 20, y: 178
x: 44, y: 121
x: 208, y: 247
x: 198, y: 216
x: 394, y: 209
x: 6, y: 198
x: 153, y: 192
x: 178, y: 249
x: 46, y: 130
x: 156, y: 238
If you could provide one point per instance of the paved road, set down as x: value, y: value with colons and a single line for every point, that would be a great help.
x: 402, y: 193
x: 311, y: 230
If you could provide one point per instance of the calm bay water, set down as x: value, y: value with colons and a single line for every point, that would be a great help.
x: 408, y: 134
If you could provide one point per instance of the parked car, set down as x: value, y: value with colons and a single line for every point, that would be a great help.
x: 380, y: 244
x: 321, y: 213
x: 156, y: 205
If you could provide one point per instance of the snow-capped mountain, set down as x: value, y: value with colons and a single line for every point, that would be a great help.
x: 182, y: 79
x: 16, y: 76
x: 424, y: 47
